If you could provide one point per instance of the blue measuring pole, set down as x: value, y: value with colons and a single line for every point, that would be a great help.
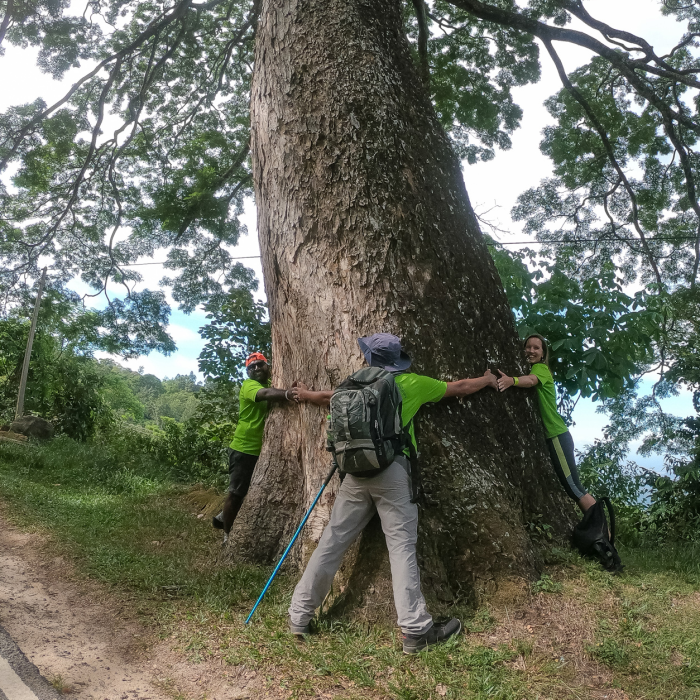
x: 294, y: 539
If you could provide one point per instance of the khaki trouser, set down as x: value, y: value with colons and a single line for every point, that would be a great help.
x: 388, y: 493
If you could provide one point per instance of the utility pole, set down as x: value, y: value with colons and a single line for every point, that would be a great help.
x: 28, y: 352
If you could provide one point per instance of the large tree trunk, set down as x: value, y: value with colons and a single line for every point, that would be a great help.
x: 365, y: 226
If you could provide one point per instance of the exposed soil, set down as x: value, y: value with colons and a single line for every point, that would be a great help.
x: 89, y: 645
x: 557, y: 628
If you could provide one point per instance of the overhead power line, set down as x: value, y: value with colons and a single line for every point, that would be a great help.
x: 162, y: 262
x: 557, y: 241
x: 597, y: 240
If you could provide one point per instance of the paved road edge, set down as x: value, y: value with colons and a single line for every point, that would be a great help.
x: 25, y: 669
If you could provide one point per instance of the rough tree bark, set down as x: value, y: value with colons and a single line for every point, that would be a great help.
x: 365, y: 226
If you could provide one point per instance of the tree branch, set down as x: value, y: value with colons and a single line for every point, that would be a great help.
x: 602, y: 134
x: 177, y: 12
x: 421, y: 16
x: 218, y: 183
x: 544, y: 32
x: 6, y: 20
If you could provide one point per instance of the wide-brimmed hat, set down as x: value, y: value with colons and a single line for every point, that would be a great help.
x: 384, y: 350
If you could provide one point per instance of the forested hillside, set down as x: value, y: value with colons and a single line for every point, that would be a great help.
x: 181, y: 423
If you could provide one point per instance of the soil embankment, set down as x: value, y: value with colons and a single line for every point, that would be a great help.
x: 87, y: 643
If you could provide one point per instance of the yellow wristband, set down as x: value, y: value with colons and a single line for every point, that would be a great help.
x: 515, y: 381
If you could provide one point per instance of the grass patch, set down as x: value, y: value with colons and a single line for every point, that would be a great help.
x: 574, y: 633
x: 546, y: 584
x: 126, y: 529
x: 60, y: 685
x: 650, y: 637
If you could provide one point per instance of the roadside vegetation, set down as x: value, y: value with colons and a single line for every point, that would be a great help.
x: 127, y: 487
x: 127, y: 515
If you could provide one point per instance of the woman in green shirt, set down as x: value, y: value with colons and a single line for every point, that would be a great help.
x: 559, y: 440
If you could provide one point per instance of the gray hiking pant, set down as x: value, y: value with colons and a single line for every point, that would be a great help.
x: 389, y: 493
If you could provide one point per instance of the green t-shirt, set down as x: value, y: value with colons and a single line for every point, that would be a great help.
x: 251, y: 419
x: 553, y: 422
x: 416, y: 390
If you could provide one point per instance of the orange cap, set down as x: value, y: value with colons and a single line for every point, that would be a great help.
x: 254, y: 357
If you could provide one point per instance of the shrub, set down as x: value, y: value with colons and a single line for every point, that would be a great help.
x: 674, y: 512
x: 605, y: 471
x: 78, y: 405
x: 181, y: 452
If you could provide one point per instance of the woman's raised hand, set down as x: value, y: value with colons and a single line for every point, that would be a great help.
x: 504, y: 381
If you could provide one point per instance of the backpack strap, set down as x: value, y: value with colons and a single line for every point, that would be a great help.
x: 376, y: 439
x: 611, y: 515
x: 346, y: 421
x: 416, y: 480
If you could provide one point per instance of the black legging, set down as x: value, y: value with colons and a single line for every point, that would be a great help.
x: 561, y: 449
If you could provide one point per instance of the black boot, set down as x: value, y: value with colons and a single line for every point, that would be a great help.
x: 439, y: 632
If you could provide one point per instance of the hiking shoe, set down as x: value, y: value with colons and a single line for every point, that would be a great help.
x: 298, y: 630
x: 439, y: 632
x: 217, y: 522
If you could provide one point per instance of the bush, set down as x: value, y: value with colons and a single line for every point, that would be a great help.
x: 216, y: 413
x: 674, y: 512
x: 88, y: 463
x: 78, y: 405
x: 63, y: 386
x: 604, y: 471
x: 127, y: 457
x: 181, y: 452
x: 192, y: 455
x: 647, y: 502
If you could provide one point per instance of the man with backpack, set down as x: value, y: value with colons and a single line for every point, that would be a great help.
x: 253, y: 405
x: 372, y: 444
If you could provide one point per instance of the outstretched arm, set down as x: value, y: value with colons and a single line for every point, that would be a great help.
x: 306, y: 395
x: 524, y: 382
x: 271, y: 394
x: 464, y: 387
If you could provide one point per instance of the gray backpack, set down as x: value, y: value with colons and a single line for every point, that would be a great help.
x: 364, y: 426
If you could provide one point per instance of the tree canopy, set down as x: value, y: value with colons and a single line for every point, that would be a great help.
x: 148, y: 150
x: 147, y: 154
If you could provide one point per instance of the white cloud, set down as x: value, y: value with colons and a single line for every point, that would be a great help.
x: 181, y: 334
x: 158, y: 364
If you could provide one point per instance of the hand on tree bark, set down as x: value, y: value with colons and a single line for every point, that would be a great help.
x: 492, y: 379
x: 299, y: 389
x: 304, y: 394
x: 504, y: 381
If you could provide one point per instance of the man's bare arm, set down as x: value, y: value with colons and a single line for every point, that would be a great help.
x: 464, y: 387
x: 306, y: 395
x: 271, y: 394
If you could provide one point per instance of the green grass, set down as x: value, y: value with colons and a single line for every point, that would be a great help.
x: 126, y: 523
x: 125, y: 529
x: 652, y: 639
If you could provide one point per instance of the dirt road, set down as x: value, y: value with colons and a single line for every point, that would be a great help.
x: 88, y: 646
x: 19, y: 678
x: 76, y: 639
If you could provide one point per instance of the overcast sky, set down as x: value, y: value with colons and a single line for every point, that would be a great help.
x: 492, y: 186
